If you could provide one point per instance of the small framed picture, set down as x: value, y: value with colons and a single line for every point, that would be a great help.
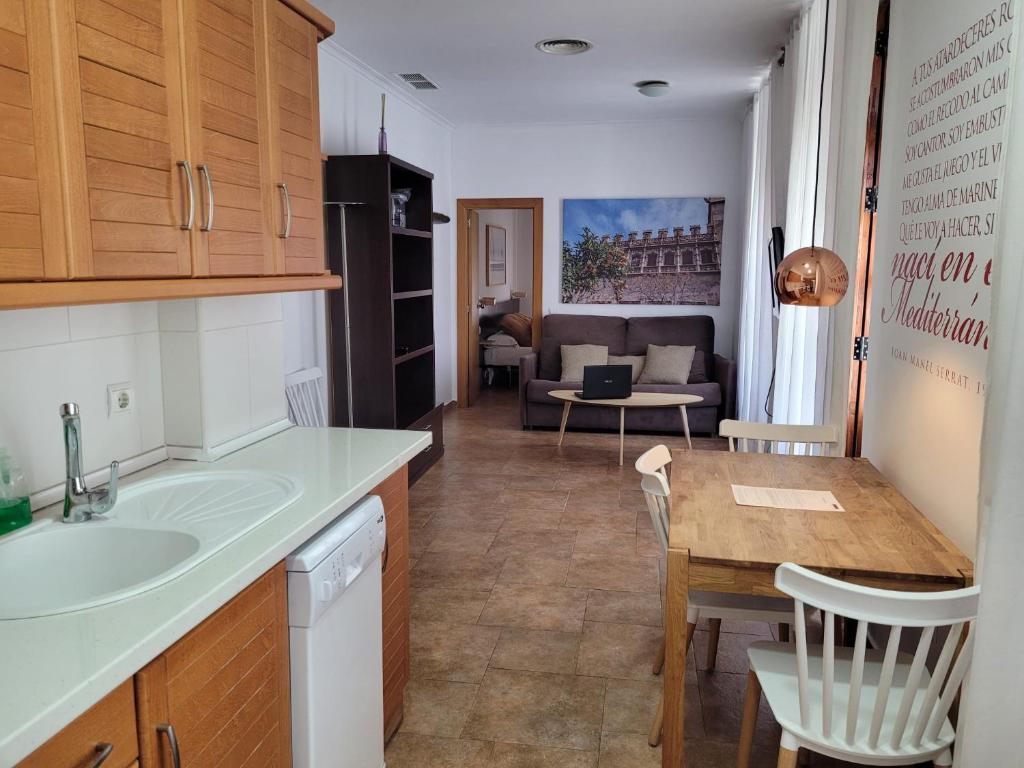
x: 495, y: 255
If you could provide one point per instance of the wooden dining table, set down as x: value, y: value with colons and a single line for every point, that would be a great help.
x: 879, y: 540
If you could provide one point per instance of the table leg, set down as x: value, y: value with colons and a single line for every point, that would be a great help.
x: 565, y: 420
x: 622, y: 432
x: 676, y: 596
x: 686, y: 427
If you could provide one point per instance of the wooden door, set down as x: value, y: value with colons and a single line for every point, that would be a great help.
x: 394, y: 493
x: 225, y: 86
x: 120, y: 104
x: 29, y: 168
x: 295, y: 122
x: 224, y: 687
x: 472, y: 265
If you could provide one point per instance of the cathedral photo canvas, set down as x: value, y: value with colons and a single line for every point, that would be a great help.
x: 659, y: 250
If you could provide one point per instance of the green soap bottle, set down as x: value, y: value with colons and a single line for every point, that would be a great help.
x: 15, y: 509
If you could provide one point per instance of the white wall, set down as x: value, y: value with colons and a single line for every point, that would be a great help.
x: 505, y: 218
x: 925, y: 392
x: 349, y: 120
x: 700, y: 157
x: 61, y: 354
x: 524, y: 259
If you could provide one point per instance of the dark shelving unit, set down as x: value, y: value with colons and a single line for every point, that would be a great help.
x: 382, y: 321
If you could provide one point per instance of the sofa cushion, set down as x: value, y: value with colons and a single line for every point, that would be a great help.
x: 667, y: 365
x: 636, y: 362
x: 576, y: 357
x: 676, y: 330
x: 537, y: 391
x: 578, y: 329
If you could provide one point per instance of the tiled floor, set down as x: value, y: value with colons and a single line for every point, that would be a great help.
x: 536, y: 610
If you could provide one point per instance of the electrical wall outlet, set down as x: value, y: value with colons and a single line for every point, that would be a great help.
x: 120, y: 398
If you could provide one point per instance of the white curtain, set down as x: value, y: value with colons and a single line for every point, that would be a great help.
x: 756, y: 348
x: 805, y: 334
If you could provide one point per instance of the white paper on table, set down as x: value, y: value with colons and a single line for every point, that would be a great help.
x: 786, y: 498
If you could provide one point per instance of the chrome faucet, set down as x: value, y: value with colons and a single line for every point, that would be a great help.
x: 80, y: 504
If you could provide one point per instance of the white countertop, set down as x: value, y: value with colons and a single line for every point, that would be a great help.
x: 54, y: 668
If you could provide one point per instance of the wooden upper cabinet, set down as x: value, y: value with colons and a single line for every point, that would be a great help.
x: 295, y: 121
x: 128, y: 197
x: 224, y: 687
x: 31, y: 224
x: 226, y: 89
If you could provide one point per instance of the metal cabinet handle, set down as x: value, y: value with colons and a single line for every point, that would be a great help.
x: 191, y: 217
x: 103, y: 751
x: 287, y: 211
x: 204, y: 171
x: 168, y: 730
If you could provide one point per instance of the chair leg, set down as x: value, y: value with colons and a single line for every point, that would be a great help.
x: 716, y: 629
x: 654, y: 737
x: 659, y: 658
x: 784, y: 633
x: 749, y: 720
x: 787, y: 758
x: 945, y: 760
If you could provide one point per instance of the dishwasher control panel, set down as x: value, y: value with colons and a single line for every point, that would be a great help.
x: 321, y: 570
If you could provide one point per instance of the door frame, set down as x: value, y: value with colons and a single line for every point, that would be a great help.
x: 866, y: 243
x: 466, y: 357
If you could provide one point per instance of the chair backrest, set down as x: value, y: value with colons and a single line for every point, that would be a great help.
x: 921, y: 710
x: 305, y: 401
x: 653, y: 469
x: 777, y: 438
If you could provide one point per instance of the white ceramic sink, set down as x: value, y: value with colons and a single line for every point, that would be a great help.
x: 159, y: 529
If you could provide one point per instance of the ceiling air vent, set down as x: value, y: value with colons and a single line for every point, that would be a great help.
x: 564, y: 46
x: 418, y: 81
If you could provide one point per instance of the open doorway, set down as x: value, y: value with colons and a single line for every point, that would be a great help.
x: 499, y: 260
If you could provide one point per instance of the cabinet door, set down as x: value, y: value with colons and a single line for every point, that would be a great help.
x: 394, y: 493
x: 224, y: 687
x: 121, y: 107
x: 29, y: 169
x: 111, y: 721
x: 226, y: 92
x: 295, y: 121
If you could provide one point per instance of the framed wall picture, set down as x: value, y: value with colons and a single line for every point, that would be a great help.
x: 660, y: 250
x: 495, y: 255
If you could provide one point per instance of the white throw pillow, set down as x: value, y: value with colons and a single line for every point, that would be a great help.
x: 575, y: 357
x: 636, y: 361
x: 667, y: 365
x: 501, y: 340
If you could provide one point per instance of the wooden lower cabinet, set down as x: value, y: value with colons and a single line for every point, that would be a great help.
x: 224, y: 687
x: 394, y: 492
x: 111, y: 721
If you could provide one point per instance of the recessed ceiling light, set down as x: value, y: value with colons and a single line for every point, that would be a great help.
x: 564, y: 46
x: 653, y: 87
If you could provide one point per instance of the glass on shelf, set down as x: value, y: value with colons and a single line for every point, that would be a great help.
x: 398, y: 200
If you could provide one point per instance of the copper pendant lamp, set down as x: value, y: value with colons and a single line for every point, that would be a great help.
x: 814, y: 276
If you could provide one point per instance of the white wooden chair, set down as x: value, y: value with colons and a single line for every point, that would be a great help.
x: 856, y: 704
x: 715, y: 606
x: 777, y: 438
x: 305, y: 401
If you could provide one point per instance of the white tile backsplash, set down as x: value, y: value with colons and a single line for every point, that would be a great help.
x: 38, y: 379
x: 21, y: 328
x: 268, y: 403
x: 239, y: 311
x: 96, y: 321
x: 203, y: 371
x: 224, y: 361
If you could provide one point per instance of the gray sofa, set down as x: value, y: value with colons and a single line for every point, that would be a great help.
x: 539, y: 373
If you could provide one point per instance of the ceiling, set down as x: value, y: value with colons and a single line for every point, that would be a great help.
x: 481, y: 54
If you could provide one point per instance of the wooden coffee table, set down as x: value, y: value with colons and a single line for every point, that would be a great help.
x: 636, y: 400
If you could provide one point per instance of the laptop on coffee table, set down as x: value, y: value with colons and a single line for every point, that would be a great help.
x: 606, y: 382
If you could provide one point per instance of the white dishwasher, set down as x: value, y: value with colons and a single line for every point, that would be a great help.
x: 334, y: 619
